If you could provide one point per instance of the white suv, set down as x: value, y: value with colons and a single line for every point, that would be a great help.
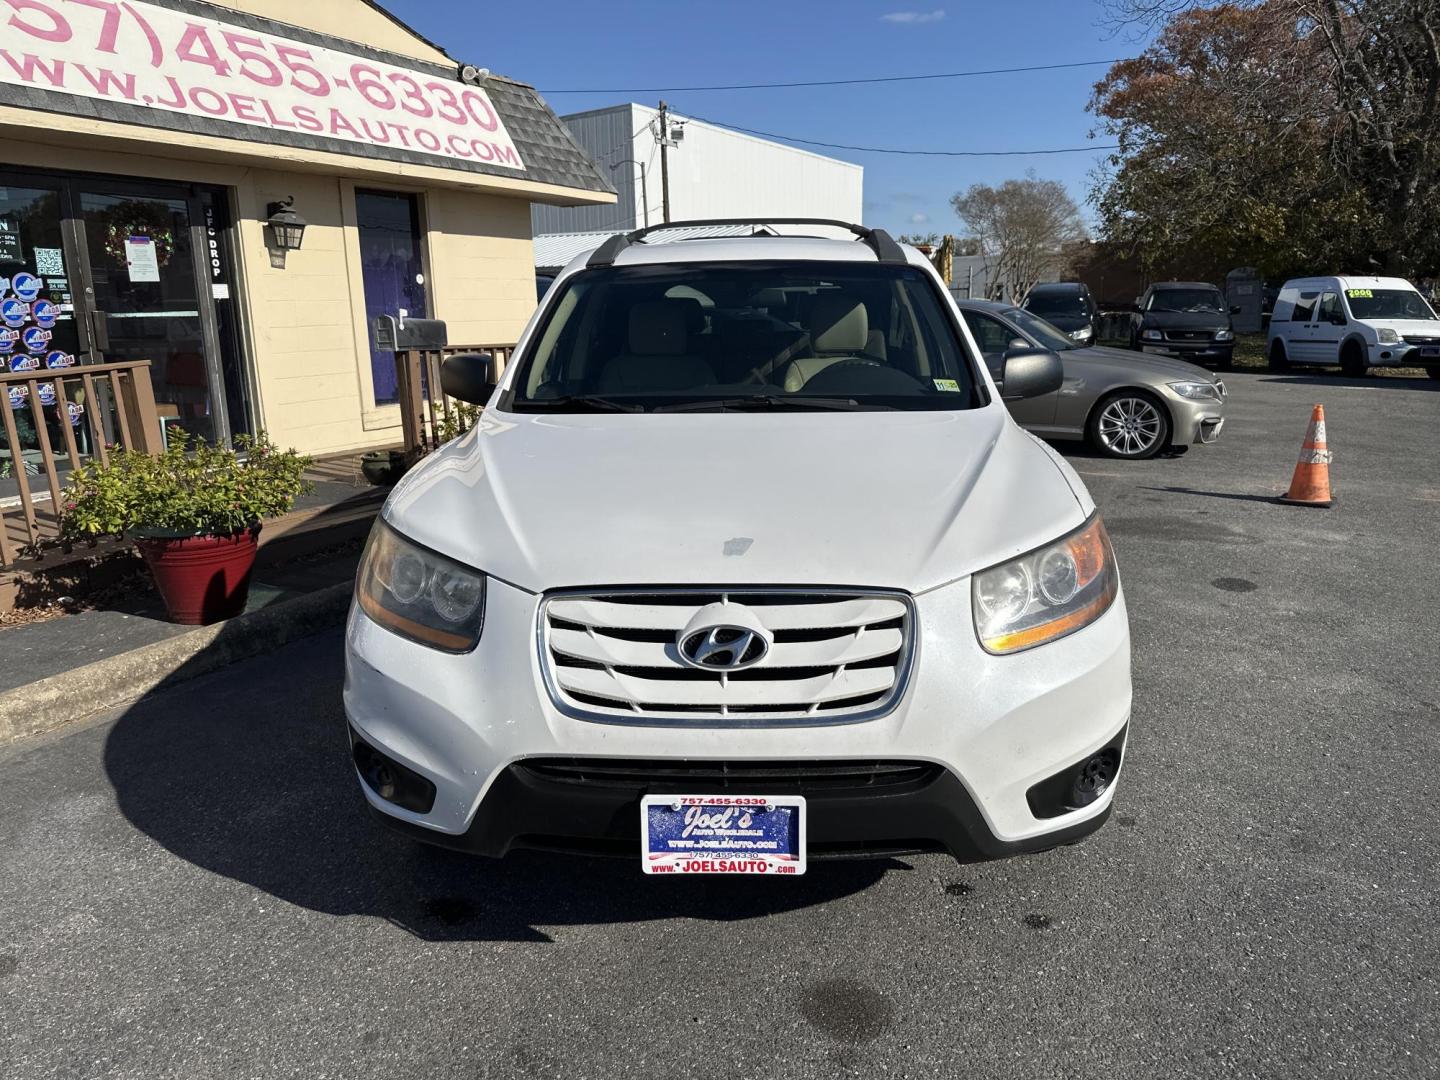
x: 1356, y: 322
x: 744, y: 562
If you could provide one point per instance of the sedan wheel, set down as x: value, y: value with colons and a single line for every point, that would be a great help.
x: 1129, y: 426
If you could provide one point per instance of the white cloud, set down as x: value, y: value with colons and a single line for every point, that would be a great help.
x: 913, y: 18
x: 919, y: 218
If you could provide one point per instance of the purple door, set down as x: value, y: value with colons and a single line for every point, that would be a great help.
x: 392, y: 270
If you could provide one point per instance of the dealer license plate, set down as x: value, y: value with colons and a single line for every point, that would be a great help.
x: 723, y: 834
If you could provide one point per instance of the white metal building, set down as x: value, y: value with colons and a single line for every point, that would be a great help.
x: 714, y: 173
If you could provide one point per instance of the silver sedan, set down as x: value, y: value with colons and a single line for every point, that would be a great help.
x: 1125, y: 404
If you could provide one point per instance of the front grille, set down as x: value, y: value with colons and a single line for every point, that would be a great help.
x: 835, y: 656
x: 718, y: 777
x: 1419, y: 339
x: 1189, y: 335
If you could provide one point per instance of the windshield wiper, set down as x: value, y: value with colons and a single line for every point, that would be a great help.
x: 576, y: 403
x: 767, y: 401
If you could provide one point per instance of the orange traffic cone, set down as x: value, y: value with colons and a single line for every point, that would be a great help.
x: 1310, y: 486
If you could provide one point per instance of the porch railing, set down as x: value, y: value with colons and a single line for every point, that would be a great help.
x: 428, y: 417
x: 55, y: 420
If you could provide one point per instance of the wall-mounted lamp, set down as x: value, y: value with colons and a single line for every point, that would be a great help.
x: 287, y: 228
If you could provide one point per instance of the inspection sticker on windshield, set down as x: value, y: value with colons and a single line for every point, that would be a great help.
x: 722, y: 834
x: 950, y: 386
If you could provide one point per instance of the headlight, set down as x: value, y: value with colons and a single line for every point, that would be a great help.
x: 1224, y: 335
x: 420, y: 595
x: 1197, y: 391
x: 1083, y: 334
x: 1152, y: 335
x: 1046, y: 594
x: 1388, y: 336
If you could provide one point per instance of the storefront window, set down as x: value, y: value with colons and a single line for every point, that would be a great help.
x: 392, y: 269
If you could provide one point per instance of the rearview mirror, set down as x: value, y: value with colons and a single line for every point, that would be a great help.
x: 1031, y: 372
x: 468, y: 377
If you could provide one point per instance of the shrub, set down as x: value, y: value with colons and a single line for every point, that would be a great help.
x: 191, y: 489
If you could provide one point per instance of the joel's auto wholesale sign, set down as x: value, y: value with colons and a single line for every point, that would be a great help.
x: 154, y: 57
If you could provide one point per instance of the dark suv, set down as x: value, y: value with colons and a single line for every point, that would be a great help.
x: 1065, y: 305
x: 1185, y: 319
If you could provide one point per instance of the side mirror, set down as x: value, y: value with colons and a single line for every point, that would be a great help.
x: 1031, y: 372
x: 468, y: 377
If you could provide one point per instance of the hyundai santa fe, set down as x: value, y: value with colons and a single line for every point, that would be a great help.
x: 743, y: 563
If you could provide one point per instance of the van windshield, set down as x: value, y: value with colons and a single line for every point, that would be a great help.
x: 1194, y: 300
x: 1057, y: 303
x: 745, y: 335
x: 1387, y: 304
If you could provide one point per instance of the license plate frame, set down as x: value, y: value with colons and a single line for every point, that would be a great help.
x: 723, y: 834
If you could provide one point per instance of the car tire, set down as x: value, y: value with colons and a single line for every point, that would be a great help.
x: 1433, y: 372
x: 1278, y: 359
x: 1352, y: 361
x: 1130, y: 424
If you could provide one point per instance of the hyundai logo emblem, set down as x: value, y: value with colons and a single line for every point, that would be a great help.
x: 723, y: 648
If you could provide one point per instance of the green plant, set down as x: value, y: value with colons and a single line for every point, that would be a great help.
x: 460, y: 419
x: 191, y: 489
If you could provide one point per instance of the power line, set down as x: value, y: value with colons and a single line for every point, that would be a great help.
x: 842, y: 82
x: 916, y: 153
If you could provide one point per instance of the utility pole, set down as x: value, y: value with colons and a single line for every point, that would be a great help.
x: 665, y: 161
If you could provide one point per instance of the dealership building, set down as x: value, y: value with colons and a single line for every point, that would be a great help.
x: 234, y: 192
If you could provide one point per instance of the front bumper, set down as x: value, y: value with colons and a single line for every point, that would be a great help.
x: 1200, y: 352
x: 1194, y: 421
x: 992, y: 728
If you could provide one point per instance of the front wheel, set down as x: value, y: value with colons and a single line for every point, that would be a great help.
x: 1129, y: 424
x: 1433, y: 372
x: 1352, y: 361
x: 1278, y: 360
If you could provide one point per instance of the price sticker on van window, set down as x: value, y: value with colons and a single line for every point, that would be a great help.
x: 1360, y: 294
x: 949, y: 386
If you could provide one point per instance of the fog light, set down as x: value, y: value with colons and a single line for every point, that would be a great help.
x: 390, y: 780
x: 1093, y: 779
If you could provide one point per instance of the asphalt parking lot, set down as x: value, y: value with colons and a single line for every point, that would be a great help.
x: 190, y: 889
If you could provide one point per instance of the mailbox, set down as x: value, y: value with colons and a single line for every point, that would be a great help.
x: 396, y: 332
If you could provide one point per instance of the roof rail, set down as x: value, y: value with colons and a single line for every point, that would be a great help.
x: 885, y: 248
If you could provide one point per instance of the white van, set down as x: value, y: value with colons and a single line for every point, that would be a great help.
x: 1356, y: 322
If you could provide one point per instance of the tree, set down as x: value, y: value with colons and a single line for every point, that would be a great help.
x: 1292, y: 135
x: 1022, y: 228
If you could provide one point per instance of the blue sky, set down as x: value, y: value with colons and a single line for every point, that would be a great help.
x: 560, y: 45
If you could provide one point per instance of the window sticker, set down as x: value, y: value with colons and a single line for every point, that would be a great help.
x: 1360, y: 294
x: 950, y: 386
x: 49, y: 262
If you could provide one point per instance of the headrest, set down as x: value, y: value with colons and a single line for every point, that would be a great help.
x: 768, y: 298
x: 838, y: 324
x: 657, y: 328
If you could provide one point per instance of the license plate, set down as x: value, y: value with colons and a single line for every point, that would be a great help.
x: 722, y: 834
x: 1430, y: 350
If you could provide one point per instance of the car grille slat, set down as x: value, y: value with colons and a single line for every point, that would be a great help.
x: 752, y: 777
x: 835, y: 656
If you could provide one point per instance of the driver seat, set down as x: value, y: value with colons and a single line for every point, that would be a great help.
x: 840, y: 330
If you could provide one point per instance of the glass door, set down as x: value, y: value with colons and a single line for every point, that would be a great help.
x: 142, y: 288
x: 392, y: 269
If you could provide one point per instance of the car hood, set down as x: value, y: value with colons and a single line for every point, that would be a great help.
x: 1184, y: 320
x: 1161, y: 366
x: 1417, y: 327
x: 905, y: 500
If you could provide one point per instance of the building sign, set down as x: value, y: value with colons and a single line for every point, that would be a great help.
x: 141, y: 54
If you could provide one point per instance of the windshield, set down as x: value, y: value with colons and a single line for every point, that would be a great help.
x: 1058, y: 303
x: 1206, y: 300
x: 1041, y: 330
x: 1387, y: 304
x: 762, y: 335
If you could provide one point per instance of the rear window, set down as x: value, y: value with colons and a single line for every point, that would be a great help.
x: 748, y: 334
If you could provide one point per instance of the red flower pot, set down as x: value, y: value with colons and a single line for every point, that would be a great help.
x: 203, y: 578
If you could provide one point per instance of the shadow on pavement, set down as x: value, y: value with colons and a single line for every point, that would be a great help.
x: 1374, y: 382
x: 246, y: 773
x: 1172, y: 490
